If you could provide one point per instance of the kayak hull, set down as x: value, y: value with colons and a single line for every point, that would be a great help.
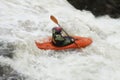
x: 80, y: 42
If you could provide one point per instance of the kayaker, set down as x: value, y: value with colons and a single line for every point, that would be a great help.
x: 58, y: 39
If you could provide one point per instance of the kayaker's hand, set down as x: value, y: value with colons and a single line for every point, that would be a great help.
x: 72, y: 40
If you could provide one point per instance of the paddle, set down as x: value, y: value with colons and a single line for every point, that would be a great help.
x: 56, y: 21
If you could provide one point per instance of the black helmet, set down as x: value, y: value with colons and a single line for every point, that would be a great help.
x: 57, y: 29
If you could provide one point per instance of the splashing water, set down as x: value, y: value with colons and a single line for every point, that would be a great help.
x: 23, y: 21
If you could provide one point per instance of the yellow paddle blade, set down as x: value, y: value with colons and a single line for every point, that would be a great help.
x: 54, y: 19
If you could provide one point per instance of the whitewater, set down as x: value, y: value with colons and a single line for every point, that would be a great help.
x: 24, y: 21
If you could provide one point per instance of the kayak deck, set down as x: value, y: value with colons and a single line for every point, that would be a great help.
x: 80, y: 42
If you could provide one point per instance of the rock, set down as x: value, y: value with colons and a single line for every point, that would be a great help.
x: 99, y: 7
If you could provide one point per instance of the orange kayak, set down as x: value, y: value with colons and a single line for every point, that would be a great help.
x: 81, y: 42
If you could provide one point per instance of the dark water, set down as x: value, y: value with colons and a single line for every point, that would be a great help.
x: 7, y: 73
x: 6, y: 49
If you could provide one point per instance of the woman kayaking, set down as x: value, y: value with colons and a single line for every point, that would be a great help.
x: 58, y: 39
x: 61, y: 41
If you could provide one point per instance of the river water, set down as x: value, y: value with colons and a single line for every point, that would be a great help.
x: 24, y: 21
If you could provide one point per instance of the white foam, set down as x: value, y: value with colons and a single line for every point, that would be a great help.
x: 23, y: 21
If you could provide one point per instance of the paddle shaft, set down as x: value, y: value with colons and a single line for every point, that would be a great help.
x: 64, y: 30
